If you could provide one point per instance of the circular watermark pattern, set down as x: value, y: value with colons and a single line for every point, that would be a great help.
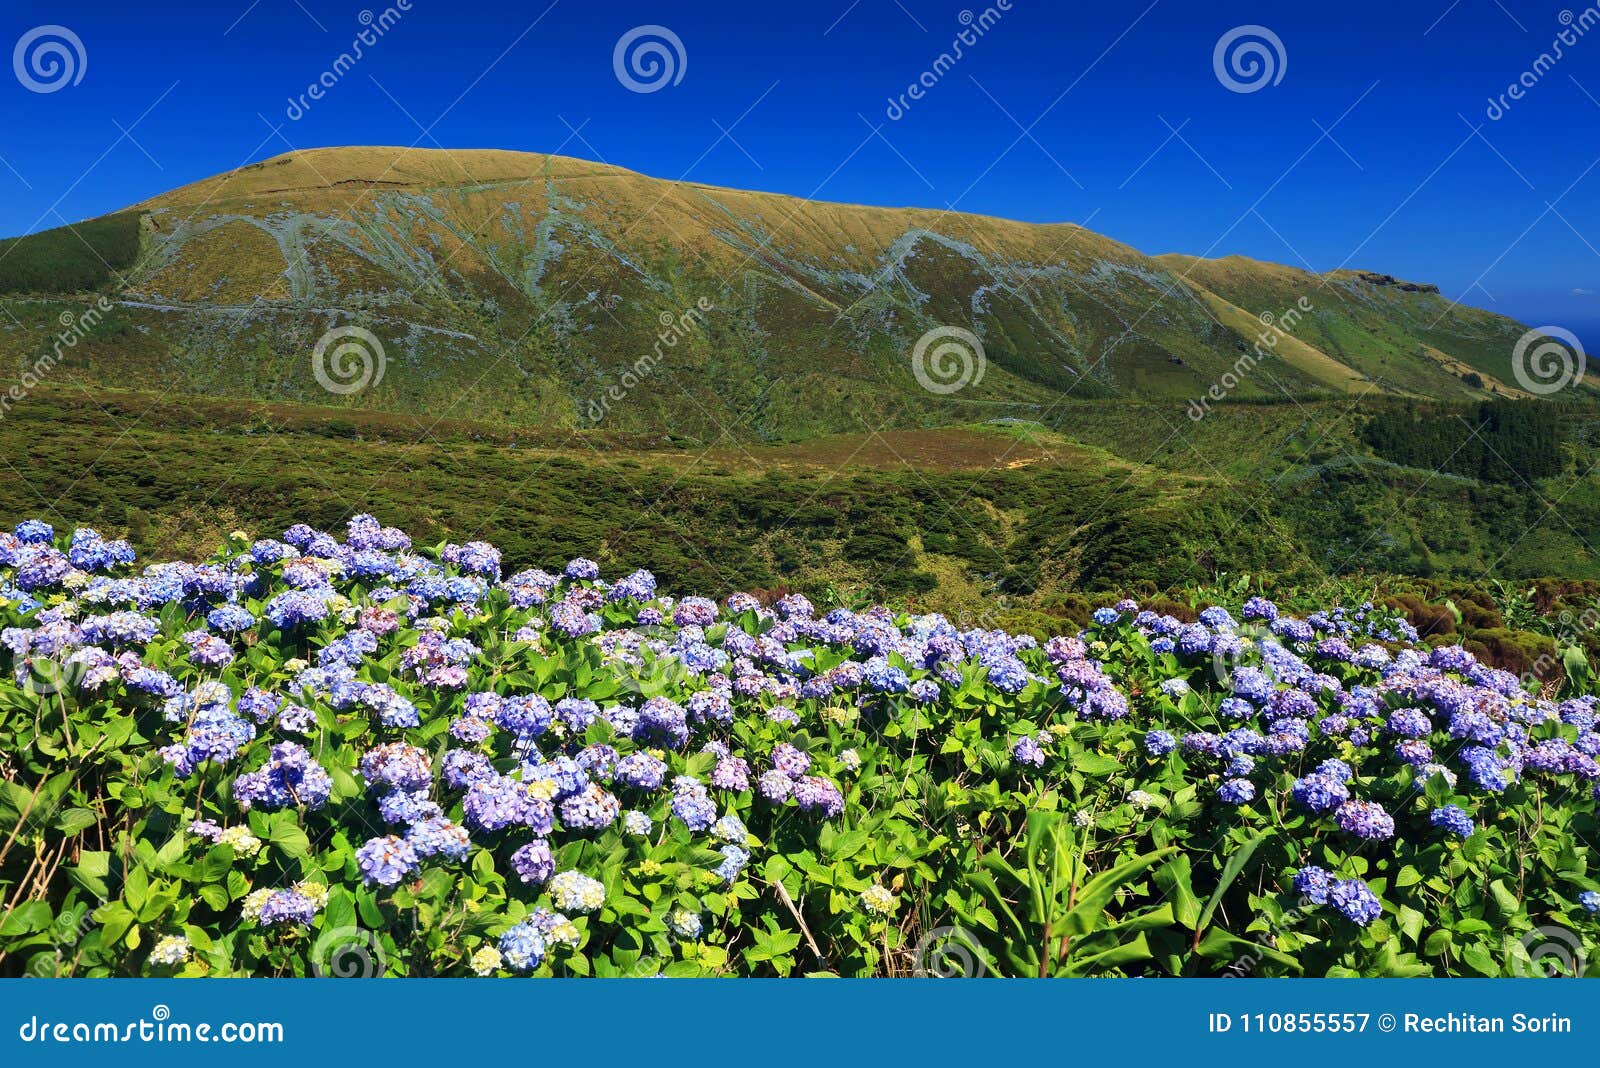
x: 1547, y: 360
x: 348, y: 953
x: 47, y: 59
x: 948, y: 359
x: 347, y: 360
x: 1553, y: 952
x: 647, y: 59
x: 1232, y: 650
x: 46, y: 677
x: 1247, y: 59
x: 160, y: 1013
x: 949, y: 953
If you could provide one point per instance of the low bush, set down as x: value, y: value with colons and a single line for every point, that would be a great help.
x: 312, y: 756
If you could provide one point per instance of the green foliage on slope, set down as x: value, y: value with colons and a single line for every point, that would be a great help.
x: 70, y: 259
x: 1496, y: 442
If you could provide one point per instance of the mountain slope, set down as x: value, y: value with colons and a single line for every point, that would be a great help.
x: 539, y: 289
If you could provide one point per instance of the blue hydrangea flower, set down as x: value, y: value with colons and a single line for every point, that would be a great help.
x: 1027, y: 751
x: 1313, y: 883
x: 1356, y: 900
x: 1365, y: 819
x: 1159, y: 743
x: 533, y: 862
x: 386, y: 860
x: 1320, y: 793
x: 523, y: 947
x: 1237, y: 791
x: 1453, y: 820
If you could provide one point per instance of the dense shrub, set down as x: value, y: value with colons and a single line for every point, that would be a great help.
x: 70, y: 259
x: 1497, y: 441
x: 311, y: 756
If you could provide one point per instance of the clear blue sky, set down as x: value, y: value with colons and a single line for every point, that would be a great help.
x: 1507, y: 218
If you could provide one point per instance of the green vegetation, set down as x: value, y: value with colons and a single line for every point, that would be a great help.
x: 79, y: 258
x: 1498, y: 441
x: 473, y: 781
x: 1013, y: 520
x: 525, y: 289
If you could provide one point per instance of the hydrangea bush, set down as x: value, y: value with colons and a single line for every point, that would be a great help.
x: 322, y: 755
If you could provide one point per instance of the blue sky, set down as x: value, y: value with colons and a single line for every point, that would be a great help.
x: 1374, y: 149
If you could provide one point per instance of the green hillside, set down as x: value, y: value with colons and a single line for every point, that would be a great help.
x: 543, y: 291
x: 986, y: 518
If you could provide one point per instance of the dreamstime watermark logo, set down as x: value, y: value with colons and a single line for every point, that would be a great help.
x: 160, y: 1027
x: 647, y: 59
x: 1574, y: 28
x: 949, y: 953
x: 372, y: 31
x: 47, y: 59
x: 974, y: 26
x: 66, y: 932
x: 347, y: 360
x: 1276, y: 929
x: 1547, y: 360
x: 1550, y: 952
x: 653, y: 676
x: 675, y: 329
x: 1232, y: 650
x: 988, y: 617
x: 76, y: 326
x: 1247, y: 59
x: 1274, y: 328
x: 47, y: 676
x: 948, y: 359
x: 348, y: 953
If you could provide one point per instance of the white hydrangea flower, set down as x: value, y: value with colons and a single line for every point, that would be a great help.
x: 878, y: 901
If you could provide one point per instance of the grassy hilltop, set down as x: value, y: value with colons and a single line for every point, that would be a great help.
x: 517, y: 287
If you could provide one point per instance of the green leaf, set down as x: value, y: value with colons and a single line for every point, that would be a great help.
x: 91, y: 872
x: 371, y: 914
x: 1097, y: 892
x: 1129, y: 952
x: 1219, y: 943
x: 1230, y: 872
x: 1504, y: 900
x: 288, y: 836
x: 1176, y: 880
x: 1411, y: 922
x: 115, y: 919
x: 1094, y: 764
x: 74, y: 820
x: 27, y: 918
x: 340, y: 910
x: 136, y: 888
x: 1480, y: 960
x: 769, y: 946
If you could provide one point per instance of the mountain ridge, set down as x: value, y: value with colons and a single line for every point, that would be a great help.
x: 521, y: 287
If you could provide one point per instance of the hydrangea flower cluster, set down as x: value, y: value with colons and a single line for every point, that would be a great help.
x: 680, y: 718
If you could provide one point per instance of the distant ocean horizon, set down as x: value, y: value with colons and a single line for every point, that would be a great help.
x: 1588, y: 332
x: 1586, y: 329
